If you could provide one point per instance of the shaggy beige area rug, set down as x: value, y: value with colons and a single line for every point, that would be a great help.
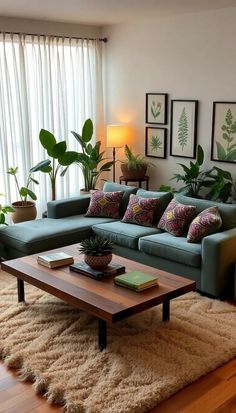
x: 146, y: 360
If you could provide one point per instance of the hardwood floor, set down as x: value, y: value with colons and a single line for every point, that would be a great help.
x: 215, y: 392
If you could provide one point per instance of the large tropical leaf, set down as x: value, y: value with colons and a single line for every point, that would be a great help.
x: 67, y: 158
x: 87, y: 131
x: 78, y: 137
x: 41, y: 165
x: 47, y: 139
x: 58, y: 149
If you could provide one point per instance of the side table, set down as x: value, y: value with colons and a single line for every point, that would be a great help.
x: 139, y: 180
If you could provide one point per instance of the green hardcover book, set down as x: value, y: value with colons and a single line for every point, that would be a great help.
x: 136, y: 280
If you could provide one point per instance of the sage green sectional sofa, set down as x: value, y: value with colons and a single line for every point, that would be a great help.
x: 210, y: 262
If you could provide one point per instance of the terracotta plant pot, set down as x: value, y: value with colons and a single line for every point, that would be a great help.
x: 98, y: 262
x: 24, y: 211
x: 133, y: 173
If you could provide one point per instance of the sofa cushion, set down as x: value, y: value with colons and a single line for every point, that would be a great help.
x: 39, y: 235
x: 227, y: 211
x: 112, y: 187
x: 105, y: 204
x: 164, y: 200
x: 140, y: 210
x: 171, y: 248
x: 176, y: 217
x: 123, y: 234
x: 205, y: 223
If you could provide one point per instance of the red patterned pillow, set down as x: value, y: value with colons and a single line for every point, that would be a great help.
x: 206, y: 223
x: 140, y: 210
x: 105, y: 204
x: 176, y: 217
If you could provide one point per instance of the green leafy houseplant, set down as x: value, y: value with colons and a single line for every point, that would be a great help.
x: 4, y: 210
x: 193, y: 177
x: 134, y: 166
x: 59, y: 155
x: 23, y: 191
x: 97, y: 252
x: 221, y: 185
x: 91, y: 157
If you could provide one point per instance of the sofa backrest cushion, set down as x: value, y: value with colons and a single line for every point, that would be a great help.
x: 227, y: 211
x: 127, y: 190
x: 176, y: 218
x: 164, y: 200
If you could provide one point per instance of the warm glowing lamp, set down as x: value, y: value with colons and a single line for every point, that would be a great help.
x: 116, y: 135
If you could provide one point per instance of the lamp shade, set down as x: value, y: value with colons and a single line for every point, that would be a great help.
x: 116, y: 136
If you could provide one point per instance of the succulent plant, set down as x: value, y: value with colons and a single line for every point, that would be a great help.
x: 96, y: 246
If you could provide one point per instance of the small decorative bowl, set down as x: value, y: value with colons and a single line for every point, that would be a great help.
x: 98, y: 262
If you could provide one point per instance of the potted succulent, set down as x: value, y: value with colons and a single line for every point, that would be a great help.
x: 60, y: 157
x: 134, y: 166
x: 24, y: 210
x: 91, y: 158
x: 97, y: 252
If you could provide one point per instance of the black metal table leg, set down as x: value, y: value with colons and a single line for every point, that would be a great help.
x: 21, y: 290
x: 102, y: 334
x: 166, y: 311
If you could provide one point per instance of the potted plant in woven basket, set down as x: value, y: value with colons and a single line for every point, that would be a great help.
x: 97, y: 252
x: 134, y: 166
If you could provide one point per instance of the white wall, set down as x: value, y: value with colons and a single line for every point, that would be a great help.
x: 191, y: 56
x: 10, y: 24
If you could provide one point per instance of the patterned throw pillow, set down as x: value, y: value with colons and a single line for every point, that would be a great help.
x: 206, y: 223
x: 105, y: 204
x: 140, y: 210
x: 176, y: 217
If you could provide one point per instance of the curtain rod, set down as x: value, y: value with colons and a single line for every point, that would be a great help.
x: 103, y: 39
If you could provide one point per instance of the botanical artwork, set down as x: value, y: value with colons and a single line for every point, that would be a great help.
x: 224, y: 132
x: 155, y: 142
x: 156, y: 108
x: 183, y: 128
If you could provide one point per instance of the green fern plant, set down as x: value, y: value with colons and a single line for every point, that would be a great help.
x: 133, y: 161
x: 96, y: 246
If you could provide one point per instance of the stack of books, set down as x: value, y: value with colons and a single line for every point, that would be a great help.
x: 136, y: 280
x: 83, y: 268
x: 58, y: 259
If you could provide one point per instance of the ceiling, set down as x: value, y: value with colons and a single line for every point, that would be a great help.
x: 103, y: 12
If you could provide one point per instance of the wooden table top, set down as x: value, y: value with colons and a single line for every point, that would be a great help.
x: 102, y: 298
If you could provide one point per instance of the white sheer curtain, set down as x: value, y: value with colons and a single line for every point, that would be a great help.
x: 51, y: 83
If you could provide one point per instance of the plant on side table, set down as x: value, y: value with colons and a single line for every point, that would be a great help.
x: 89, y: 160
x: 97, y: 252
x: 24, y: 210
x: 134, y: 166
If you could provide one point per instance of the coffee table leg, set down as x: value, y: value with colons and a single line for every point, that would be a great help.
x: 102, y: 334
x: 166, y: 311
x: 21, y: 290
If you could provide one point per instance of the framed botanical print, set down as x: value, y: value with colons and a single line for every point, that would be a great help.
x: 223, y: 139
x: 155, y: 142
x: 183, y: 133
x: 156, y: 108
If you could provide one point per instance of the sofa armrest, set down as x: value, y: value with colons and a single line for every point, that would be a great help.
x: 67, y: 207
x: 218, y: 259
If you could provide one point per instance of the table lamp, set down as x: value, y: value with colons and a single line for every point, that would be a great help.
x: 116, y: 135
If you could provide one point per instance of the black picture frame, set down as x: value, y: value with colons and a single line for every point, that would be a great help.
x: 155, y: 142
x: 183, y: 128
x: 223, y: 136
x: 156, y: 108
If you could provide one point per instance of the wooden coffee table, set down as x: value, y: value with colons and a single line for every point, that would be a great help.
x: 105, y: 300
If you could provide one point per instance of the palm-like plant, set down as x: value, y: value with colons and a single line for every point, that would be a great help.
x: 133, y: 161
x: 60, y: 157
x: 89, y: 160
